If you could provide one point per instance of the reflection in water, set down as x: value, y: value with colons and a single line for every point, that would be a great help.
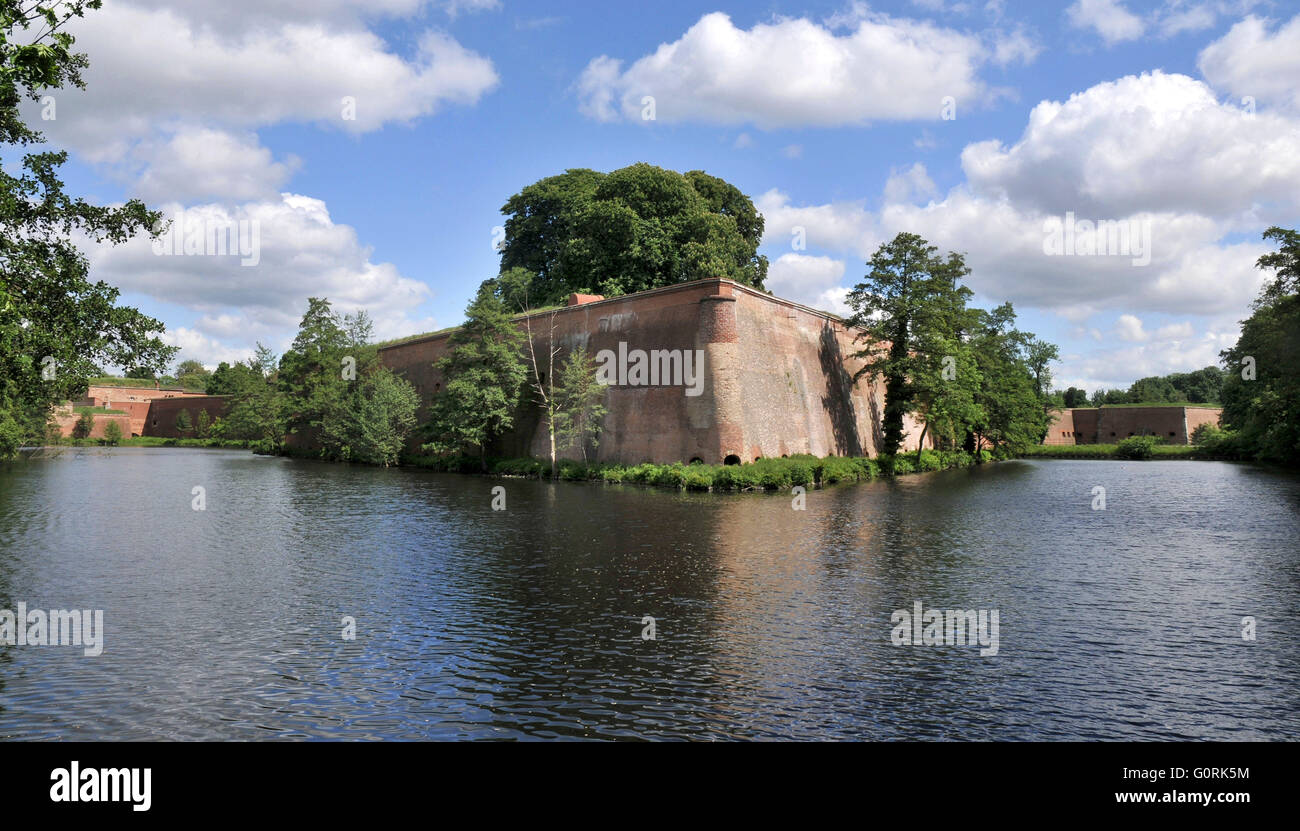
x: 526, y: 623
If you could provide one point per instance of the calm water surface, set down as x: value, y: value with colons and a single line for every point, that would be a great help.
x: 527, y: 623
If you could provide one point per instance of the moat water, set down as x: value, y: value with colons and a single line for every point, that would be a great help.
x: 528, y: 623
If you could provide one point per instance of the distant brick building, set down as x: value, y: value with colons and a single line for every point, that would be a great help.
x: 146, y: 412
x: 1108, y: 425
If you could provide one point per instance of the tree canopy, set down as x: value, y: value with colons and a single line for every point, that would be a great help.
x: 56, y: 325
x: 636, y: 228
x: 966, y: 374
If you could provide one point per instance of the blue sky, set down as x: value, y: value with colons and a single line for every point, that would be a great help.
x: 827, y: 114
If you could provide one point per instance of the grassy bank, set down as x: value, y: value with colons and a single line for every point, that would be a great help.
x: 759, y: 475
x: 1110, y: 451
x: 159, y: 441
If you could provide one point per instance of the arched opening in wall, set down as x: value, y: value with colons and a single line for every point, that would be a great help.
x: 785, y: 456
x: 758, y: 458
x: 1172, y: 434
x: 155, y: 422
x: 696, y: 460
x: 437, y: 388
x: 733, y: 459
x: 1112, y: 433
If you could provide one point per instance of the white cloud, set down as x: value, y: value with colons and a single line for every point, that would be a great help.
x: 1129, y: 328
x: 838, y: 226
x: 1179, y: 17
x: 1252, y: 61
x: 196, y: 346
x: 812, y: 281
x: 792, y: 151
x: 909, y: 185
x: 1154, y: 142
x: 303, y: 253
x: 198, y: 163
x: 743, y: 141
x: 794, y: 72
x: 1015, y: 46
x: 294, y: 72
x: 1108, y: 18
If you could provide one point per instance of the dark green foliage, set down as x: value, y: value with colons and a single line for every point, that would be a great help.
x: 112, y: 433
x: 966, y: 374
x: 1264, y: 411
x: 57, y: 327
x: 1136, y: 447
x: 483, y: 377
x: 634, y: 229
x: 84, y: 426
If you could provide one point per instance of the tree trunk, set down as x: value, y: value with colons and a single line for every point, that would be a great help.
x: 550, y: 428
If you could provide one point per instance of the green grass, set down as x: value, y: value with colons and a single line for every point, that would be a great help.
x: 1156, y: 404
x: 760, y: 475
x: 1107, y: 451
x: 140, y: 383
x: 407, y: 339
x: 97, y: 411
x: 162, y: 441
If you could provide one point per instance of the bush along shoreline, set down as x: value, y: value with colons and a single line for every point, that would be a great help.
x: 1209, y: 443
x: 758, y: 475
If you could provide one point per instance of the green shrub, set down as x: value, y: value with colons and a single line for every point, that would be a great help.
x: 699, y: 479
x: 613, y: 473
x: 112, y: 433
x: 84, y: 426
x: 724, y: 478
x: 1136, y: 447
x: 573, y: 471
x: 901, y: 465
x: 671, y: 476
x: 928, y: 460
x: 838, y: 469
x: 800, y: 472
x: 984, y: 456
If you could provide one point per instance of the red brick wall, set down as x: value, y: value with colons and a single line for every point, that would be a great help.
x: 776, y: 378
x: 67, y: 419
x: 163, y: 411
x: 1061, y: 429
x: 1110, y: 425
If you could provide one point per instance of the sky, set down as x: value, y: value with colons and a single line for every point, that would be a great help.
x: 372, y: 144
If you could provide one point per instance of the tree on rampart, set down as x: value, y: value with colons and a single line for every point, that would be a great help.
x: 634, y: 229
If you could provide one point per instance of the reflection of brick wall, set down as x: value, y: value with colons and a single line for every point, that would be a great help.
x: 163, y: 411
x: 1109, y: 425
x: 778, y: 378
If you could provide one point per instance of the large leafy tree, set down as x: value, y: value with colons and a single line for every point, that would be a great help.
x: 909, y: 311
x: 1261, y: 390
x: 373, y: 420
x: 254, y: 408
x: 1013, y: 410
x: 483, y: 376
x: 327, y: 356
x: 56, y: 324
x: 636, y: 228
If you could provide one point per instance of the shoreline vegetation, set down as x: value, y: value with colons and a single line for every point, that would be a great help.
x: 775, y: 474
